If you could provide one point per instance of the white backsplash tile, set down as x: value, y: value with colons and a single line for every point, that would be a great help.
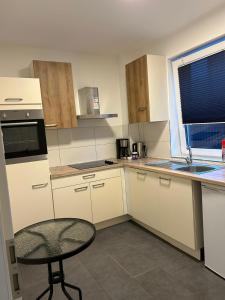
x: 52, y: 139
x: 54, y: 158
x: 156, y: 131
x: 68, y: 146
x: 158, y: 149
x: 76, y: 137
x: 106, y: 151
x: 107, y: 135
x: 133, y: 133
x: 77, y: 155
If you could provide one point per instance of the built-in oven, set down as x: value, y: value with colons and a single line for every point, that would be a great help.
x: 23, y: 133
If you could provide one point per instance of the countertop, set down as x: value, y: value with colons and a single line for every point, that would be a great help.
x: 216, y: 177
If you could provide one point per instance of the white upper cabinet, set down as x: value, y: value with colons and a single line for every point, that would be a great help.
x: 19, y: 92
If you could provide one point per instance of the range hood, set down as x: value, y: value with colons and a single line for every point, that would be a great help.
x: 90, y: 106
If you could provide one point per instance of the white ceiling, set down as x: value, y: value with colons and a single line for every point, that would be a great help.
x: 100, y: 26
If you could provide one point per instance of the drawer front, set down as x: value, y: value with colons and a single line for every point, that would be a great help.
x: 84, y: 178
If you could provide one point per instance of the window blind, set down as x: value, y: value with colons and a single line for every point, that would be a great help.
x: 202, y: 90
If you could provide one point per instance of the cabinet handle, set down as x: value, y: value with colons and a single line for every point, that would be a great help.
x: 142, y: 108
x: 50, y: 125
x: 166, y: 180
x: 88, y: 176
x: 13, y: 99
x: 96, y: 186
x: 16, y: 285
x: 39, y: 186
x: 81, y: 189
x: 140, y: 173
x: 213, y: 189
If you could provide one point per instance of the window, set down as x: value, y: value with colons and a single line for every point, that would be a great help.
x: 197, y: 104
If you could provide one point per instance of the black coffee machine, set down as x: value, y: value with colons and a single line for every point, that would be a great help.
x: 122, y: 148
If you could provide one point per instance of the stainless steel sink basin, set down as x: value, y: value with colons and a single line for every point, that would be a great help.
x: 197, y: 169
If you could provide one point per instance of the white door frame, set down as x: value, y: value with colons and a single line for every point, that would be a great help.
x: 6, y: 231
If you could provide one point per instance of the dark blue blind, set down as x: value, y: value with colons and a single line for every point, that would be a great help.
x: 202, y: 90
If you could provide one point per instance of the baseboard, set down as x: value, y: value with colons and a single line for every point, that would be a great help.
x: 111, y: 222
x: 194, y: 253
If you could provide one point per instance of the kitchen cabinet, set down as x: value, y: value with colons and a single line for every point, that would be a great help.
x: 177, y: 209
x: 169, y: 204
x: 107, y: 199
x: 73, y: 201
x: 57, y: 92
x: 95, y: 196
x: 143, y: 197
x: 30, y: 193
x: 19, y: 92
x: 146, y: 82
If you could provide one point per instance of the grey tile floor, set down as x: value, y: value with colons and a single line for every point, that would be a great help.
x: 127, y: 262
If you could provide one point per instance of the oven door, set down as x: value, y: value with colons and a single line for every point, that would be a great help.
x: 24, y: 138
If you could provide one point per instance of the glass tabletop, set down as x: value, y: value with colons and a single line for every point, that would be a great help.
x: 53, y: 240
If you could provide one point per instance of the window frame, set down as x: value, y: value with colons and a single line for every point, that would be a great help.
x: 177, y: 127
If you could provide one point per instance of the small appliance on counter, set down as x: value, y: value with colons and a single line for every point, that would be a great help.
x: 139, y: 148
x: 122, y: 148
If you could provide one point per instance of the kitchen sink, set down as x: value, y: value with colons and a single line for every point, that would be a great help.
x: 197, y: 169
x: 183, y: 166
x: 167, y: 164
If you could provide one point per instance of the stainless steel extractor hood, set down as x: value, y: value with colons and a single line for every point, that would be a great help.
x: 90, y: 106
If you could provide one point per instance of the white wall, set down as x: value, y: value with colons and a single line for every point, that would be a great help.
x: 76, y: 145
x: 88, y: 70
x: 156, y: 135
x: 204, y: 30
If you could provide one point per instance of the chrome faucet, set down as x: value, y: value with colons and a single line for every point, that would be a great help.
x: 189, y: 157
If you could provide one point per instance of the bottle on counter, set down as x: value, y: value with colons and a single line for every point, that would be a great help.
x: 223, y: 150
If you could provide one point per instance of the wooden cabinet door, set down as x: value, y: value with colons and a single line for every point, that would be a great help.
x: 30, y: 193
x: 73, y: 202
x: 143, y: 197
x: 57, y: 92
x: 137, y: 90
x: 177, y: 209
x: 107, y: 199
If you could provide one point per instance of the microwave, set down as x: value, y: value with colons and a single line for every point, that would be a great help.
x: 23, y: 133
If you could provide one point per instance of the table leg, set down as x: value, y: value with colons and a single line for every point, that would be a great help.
x: 74, y: 288
x: 58, y: 277
x: 42, y: 295
x: 65, y: 284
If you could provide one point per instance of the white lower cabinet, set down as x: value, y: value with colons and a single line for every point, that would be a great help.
x: 73, y: 201
x: 169, y: 204
x: 107, y: 199
x: 95, y: 200
x: 30, y: 193
x: 177, y: 209
x: 143, y: 199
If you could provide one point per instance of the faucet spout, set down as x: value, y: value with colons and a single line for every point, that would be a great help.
x: 189, y: 157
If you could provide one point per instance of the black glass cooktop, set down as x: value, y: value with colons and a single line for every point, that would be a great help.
x: 92, y: 164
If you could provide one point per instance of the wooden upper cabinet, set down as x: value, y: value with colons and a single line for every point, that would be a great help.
x: 147, y: 89
x: 57, y: 93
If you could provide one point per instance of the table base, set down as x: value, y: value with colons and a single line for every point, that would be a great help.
x: 58, y: 277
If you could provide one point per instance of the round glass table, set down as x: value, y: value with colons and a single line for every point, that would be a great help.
x: 53, y: 241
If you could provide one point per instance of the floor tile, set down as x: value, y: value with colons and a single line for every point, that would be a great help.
x: 126, y: 262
